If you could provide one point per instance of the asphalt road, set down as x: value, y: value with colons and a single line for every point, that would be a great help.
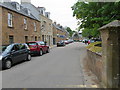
x: 58, y: 69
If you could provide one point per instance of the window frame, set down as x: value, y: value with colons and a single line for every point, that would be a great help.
x: 10, y: 20
x: 35, y: 27
x: 25, y: 24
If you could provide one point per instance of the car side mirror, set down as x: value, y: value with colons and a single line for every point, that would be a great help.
x: 12, y: 51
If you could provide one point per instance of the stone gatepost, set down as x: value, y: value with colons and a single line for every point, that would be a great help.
x: 110, y: 35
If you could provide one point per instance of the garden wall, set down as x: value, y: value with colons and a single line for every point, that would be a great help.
x: 95, y: 64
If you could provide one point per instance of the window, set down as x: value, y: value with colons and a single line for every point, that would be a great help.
x: 22, y: 46
x: 39, y: 38
x: 11, y: 39
x: 17, y: 6
x: 25, y: 23
x: 35, y: 38
x: 15, y: 48
x: 41, y: 11
x: 42, y: 43
x: 10, y: 20
x: 42, y: 37
x: 28, y: 12
x: 26, y: 38
x: 35, y: 27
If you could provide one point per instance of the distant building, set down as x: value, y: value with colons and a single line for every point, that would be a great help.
x: 59, y: 33
x: 77, y: 36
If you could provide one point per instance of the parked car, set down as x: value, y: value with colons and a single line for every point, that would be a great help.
x: 14, y: 53
x: 61, y: 43
x: 70, y: 41
x: 66, y: 41
x: 38, y: 47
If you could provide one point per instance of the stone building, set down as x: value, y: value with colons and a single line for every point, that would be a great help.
x: 18, y: 24
x: 59, y: 33
x: 44, y: 18
x: 46, y: 24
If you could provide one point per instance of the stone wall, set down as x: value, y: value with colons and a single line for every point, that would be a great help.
x: 110, y: 35
x: 18, y: 30
x: 47, y: 30
x: 95, y: 63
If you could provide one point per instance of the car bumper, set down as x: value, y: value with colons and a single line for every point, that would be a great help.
x: 33, y: 52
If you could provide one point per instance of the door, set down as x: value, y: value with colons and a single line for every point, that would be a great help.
x: 54, y: 41
x: 23, y: 51
x: 15, y: 53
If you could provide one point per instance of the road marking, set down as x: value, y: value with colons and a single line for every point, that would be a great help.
x: 78, y: 86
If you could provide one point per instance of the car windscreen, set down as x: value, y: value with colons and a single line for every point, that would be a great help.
x: 6, y: 49
x: 31, y: 43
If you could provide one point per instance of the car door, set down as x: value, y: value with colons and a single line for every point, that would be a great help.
x: 43, y: 46
x: 15, y: 53
x: 23, y: 51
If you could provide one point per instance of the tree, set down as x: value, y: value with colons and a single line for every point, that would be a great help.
x: 93, y: 15
x: 70, y: 31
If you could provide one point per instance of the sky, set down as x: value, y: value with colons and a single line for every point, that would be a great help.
x: 60, y: 10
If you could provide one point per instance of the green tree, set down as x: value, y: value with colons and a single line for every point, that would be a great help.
x: 93, y: 15
x: 70, y: 31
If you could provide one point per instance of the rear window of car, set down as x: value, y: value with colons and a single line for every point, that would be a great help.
x: 31, y: 43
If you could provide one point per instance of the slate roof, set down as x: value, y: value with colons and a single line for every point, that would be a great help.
x: 59, y: 28
x: 35, y: 12
x: 11, y: 6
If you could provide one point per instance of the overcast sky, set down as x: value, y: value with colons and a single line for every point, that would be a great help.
x: 60, y: 10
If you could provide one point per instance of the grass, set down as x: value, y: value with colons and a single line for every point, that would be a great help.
x: 94, y: 48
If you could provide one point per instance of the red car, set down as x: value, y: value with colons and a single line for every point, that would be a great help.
x: 38, y: 47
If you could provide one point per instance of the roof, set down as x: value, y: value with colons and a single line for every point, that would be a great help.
x: 33, y: 10
x: 58, y: 27
x: 10, y: 6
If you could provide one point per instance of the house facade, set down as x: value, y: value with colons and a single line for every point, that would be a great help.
x: 24, y: 22
x: 46, y: 24
x: 44, y: 18
x: 59, y: 33
x: 18, y: 24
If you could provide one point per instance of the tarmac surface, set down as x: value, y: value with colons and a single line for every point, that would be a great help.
x: 61, y: 68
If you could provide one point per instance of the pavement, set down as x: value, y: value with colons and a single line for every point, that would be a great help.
x: 90, y: 79
x: 63, y: 67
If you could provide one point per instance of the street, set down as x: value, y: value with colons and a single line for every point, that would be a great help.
x: 58, y: 69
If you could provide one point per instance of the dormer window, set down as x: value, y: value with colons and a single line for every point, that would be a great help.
x: 29, y: 12
x: 42, y: 12
x: 47, y: 14
x: 17, y: 6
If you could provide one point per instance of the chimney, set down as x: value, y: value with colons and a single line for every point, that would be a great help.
x: 25, y: 1
x: 55, y: 23
x: 58, y: 25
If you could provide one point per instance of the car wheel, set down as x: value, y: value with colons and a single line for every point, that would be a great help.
x: 7, y: 64
x: 41, y: 53
x: 48, y: 50
x: 29, y: 57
